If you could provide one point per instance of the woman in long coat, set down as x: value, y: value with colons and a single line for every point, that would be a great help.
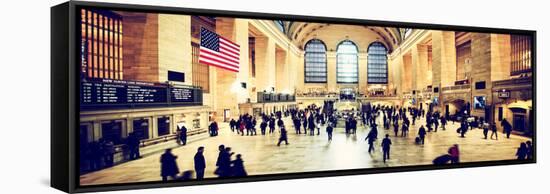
x: 238, y: 167
x: 168, y: 165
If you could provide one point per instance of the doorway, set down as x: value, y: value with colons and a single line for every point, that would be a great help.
x: 226, y: 115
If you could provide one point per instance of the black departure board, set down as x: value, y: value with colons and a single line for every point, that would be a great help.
x: 108, y: 92
x: 182, y: 94
x: 97, y: 93
x: 145, y: 94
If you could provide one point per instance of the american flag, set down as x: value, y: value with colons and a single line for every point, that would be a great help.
x: 218, y: 51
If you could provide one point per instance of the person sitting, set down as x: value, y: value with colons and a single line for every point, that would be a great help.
x: 442, y: 160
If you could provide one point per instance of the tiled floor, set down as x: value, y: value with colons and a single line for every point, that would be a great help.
x: 314, y: 153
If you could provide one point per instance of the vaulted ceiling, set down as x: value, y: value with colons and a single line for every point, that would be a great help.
x: 301, y: 32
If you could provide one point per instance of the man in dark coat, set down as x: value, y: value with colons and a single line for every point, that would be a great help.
x: 238, y: 167
x: 213, y: 128
x: 507, y: 128
x: 422, y: 134
x: 219, y: 161
x: 233, y: 125
x: 169, y: 167
x: 283, y: 136
x: 224, y: 162
x: 353, y: 125
x: 200, y: 163
x: 305, y: 125
x: 271, y: 125
x: 329, y: 131
x: 405, y: 129
x: 386, y: 143
x: 133, y: 144
x: 395, y: 128
x: 263, y: 126
x: 370, y: 139
x: 311, y: 125
x: 280, y: 123
x: 183, y: 135
x: 297, y: 125
x: 485, y: 130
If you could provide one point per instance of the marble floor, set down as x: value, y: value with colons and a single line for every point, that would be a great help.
x: 314, y: 153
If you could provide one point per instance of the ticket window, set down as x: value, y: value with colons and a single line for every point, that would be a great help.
x: 163, y: 126
x: 196, y: 123
x: 112, y: 131
x: 519, y: 119
x: 141, y: 128
x: 519, y: 122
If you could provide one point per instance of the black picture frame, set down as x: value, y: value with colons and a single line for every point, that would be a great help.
x: 65, y: 90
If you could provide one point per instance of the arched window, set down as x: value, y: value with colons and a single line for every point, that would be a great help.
x: 315, y: 62
x: 377, y: 68
x: 347, y: 62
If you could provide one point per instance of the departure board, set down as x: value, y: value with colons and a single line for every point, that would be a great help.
x: 182, y: 95
x: 108, y: 92
x: 98, y: 93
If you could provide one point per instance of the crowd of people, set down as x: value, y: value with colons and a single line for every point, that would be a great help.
x: 309, y: 122
x: 225, y: 165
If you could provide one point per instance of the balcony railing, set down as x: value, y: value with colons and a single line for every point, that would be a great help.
x: 513, y: 82
x: 455, y: 88
x: 264, y: 97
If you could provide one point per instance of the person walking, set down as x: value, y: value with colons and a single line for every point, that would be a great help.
x: 507, y: 128
x: 263, y: 126
x: 463, y: 128
x: 443, y: 122
x: 213, y: 129
x: 220, y: 171
x: 283, y: 136
x: 169, y: 167
x: 422, y: 134
x: 329, y: 131
x: 386, y: 143
x: 311, y: 125
x: 304, y: 124
x: 271, y: 125
x: 485, y: 130
x: 238, y: 167
x: 233, y: 125
x: 494, y: 131
x: 200, y: 163
x: 133, y: 144
x: 395, y: 128
x: 297, y: 125
x: 405, y: 129
x: 370, y: 139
